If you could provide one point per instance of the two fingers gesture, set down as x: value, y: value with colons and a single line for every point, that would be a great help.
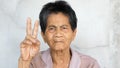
x: 30, y: 45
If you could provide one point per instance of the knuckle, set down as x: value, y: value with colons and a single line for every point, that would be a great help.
x: 27, y: 37
x: 38, y: 42
x: 22, y: 45
x: 22, y: 42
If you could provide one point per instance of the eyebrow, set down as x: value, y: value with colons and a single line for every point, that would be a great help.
x: 64, y: 25
x: 56, y: 26
x: 51, y: 26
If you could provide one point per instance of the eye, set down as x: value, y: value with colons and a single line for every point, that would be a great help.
x: 51, y: 29
x: 64, y: 27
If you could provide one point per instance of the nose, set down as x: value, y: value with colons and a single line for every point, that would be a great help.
x: 58, y: 33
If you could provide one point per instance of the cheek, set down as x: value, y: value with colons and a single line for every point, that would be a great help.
x: 70, y: 37
x: 49, y: 37
x: 49, y: 40
x: 68, y: 34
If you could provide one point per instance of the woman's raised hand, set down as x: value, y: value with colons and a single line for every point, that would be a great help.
x: 30, y: 45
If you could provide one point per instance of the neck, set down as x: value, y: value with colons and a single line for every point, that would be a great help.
x: 61, y: 56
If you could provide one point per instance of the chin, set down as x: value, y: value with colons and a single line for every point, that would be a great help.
x: 57, y: 48
x: 60, y: 48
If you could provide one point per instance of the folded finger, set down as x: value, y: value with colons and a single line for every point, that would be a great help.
x: 28, y: 42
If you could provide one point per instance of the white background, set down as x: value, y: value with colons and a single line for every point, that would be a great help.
x: 98, y: 32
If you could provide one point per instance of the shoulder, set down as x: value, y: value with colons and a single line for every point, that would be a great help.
x: 87, y: 61
x: 37, y: 61
x: 86, y: 58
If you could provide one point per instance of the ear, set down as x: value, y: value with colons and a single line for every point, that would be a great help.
x: 43, y: 36
x: 74, y: 34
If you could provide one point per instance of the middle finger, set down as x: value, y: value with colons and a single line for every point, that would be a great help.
x: 35, y: 30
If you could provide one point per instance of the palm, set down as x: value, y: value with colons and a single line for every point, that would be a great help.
x: 30, y: 46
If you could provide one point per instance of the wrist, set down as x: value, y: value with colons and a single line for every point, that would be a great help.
x: 23, y: 59
x: 24, y: 63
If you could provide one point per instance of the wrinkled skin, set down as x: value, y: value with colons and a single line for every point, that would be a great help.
x: 30, y: 45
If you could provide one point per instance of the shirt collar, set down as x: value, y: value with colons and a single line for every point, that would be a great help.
x: 74, y: 62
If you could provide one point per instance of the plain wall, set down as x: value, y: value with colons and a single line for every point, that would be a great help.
x: 96, y: 36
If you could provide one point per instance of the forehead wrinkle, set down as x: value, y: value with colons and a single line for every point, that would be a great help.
x: 57, y: 17
x: 58, y: 20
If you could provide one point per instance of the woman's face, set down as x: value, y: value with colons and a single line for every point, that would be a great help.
x: 58, y: 34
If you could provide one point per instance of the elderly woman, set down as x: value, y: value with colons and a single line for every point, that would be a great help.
x: 58, y: 28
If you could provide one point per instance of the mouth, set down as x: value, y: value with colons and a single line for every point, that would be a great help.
x: 58, y: 41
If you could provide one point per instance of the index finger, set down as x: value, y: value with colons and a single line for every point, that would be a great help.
x: 28, y: 28
x: 35, y: 29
